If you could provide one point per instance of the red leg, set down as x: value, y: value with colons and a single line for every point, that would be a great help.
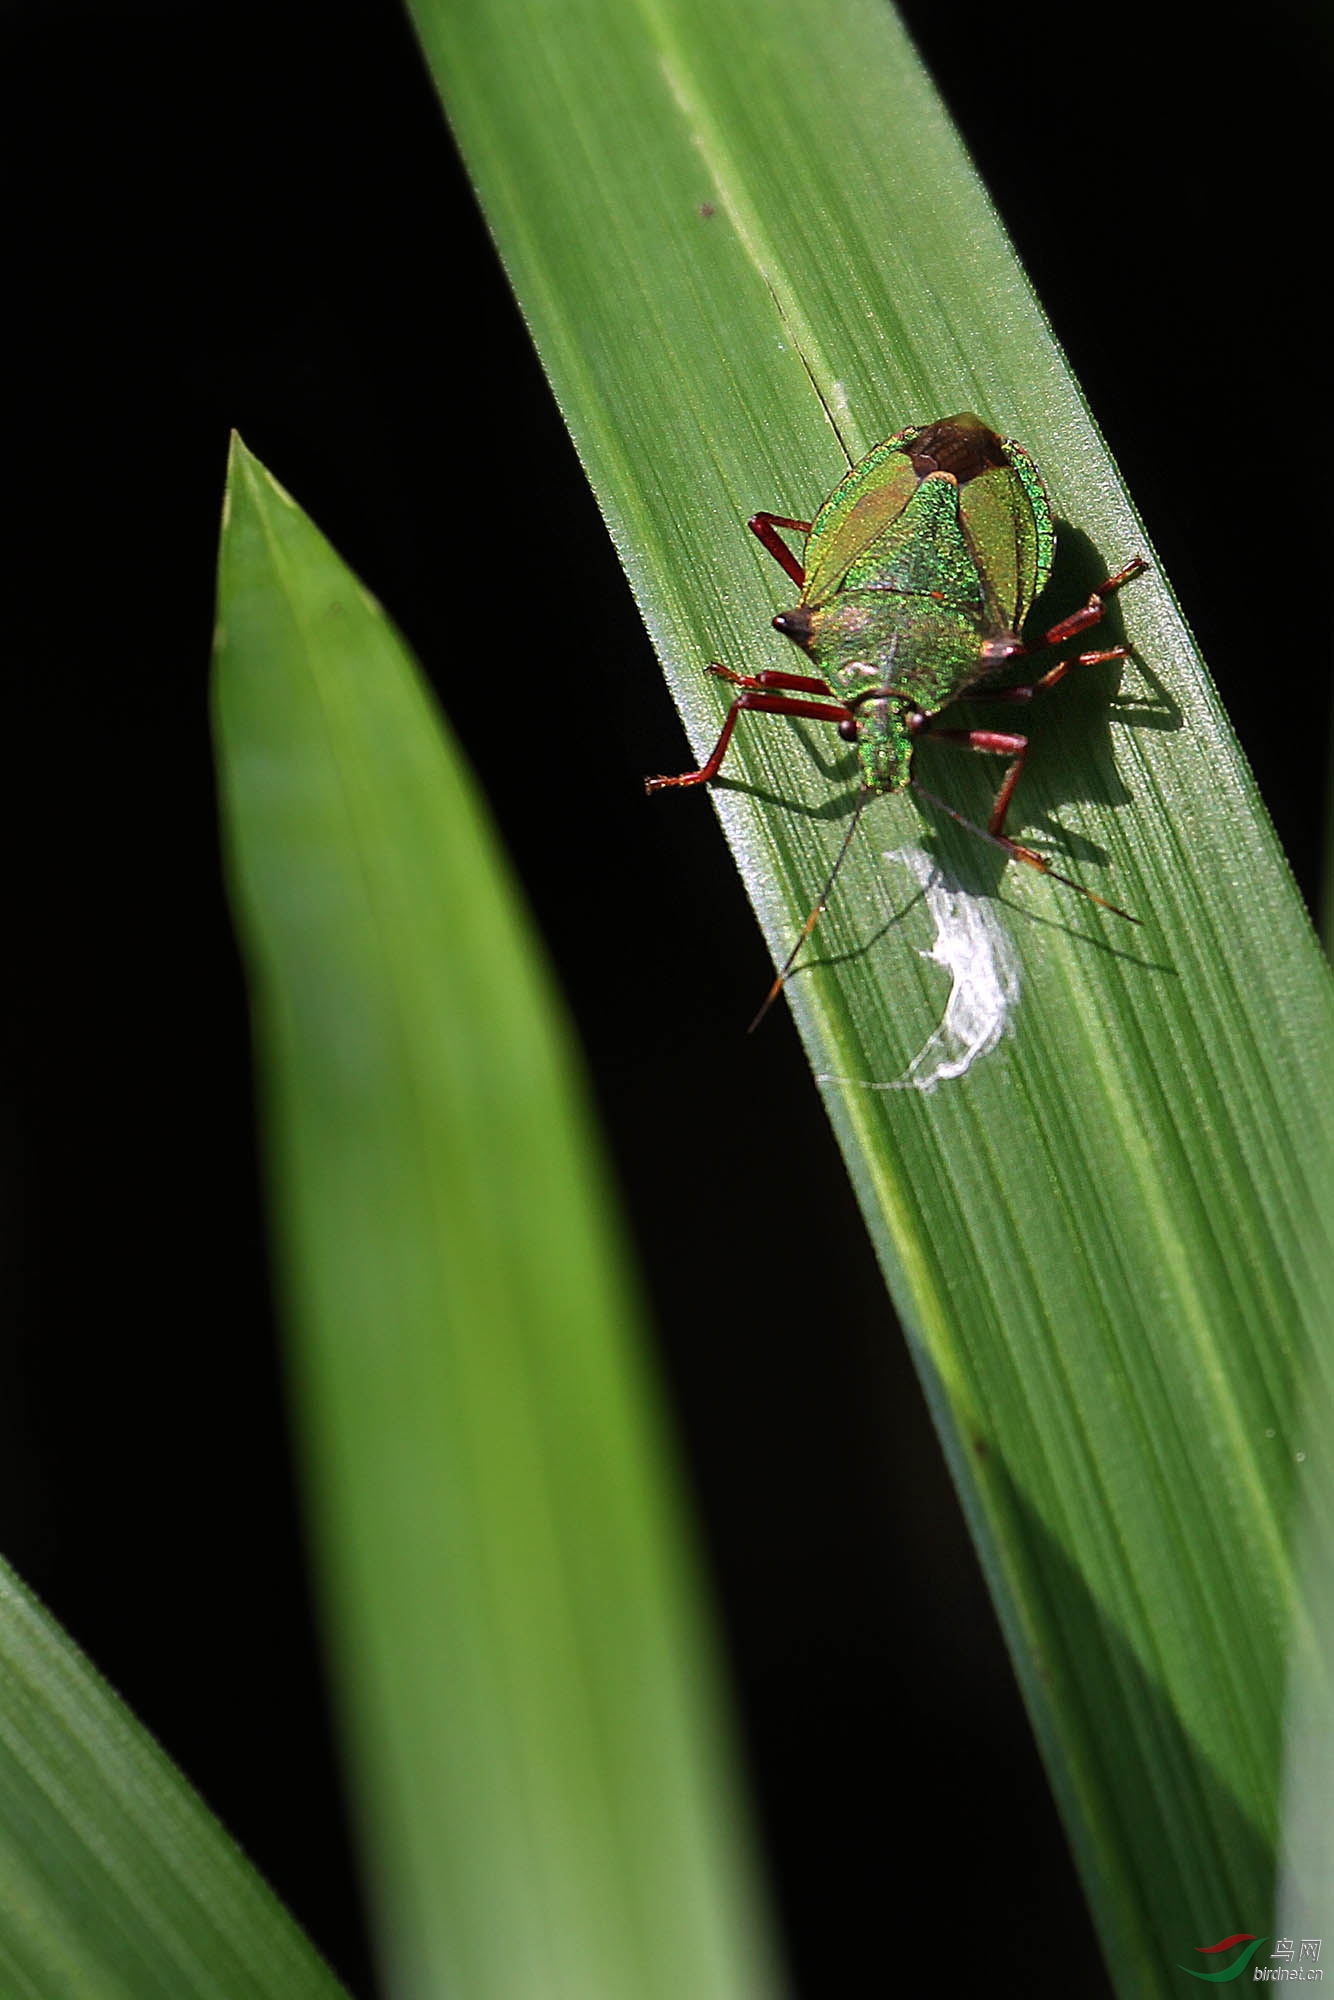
x: 1049, y: 680
x: 1018, y: 853
x: 765, y: 528
x: 766, y: 704
x: 794, y: 683
x: 994, y: 743
x: 1089, y: 614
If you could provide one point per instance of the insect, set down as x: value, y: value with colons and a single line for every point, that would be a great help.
x: 920, y: 571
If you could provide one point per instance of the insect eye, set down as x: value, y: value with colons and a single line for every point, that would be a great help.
x: 848, y: 728
x: 794, y: 625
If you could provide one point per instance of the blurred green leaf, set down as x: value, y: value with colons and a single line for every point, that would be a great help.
x: 116, y: 1882
x: 547, y: 1798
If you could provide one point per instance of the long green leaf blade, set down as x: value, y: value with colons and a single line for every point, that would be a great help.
x: 749, y: 245
x: 529, y: 1695
x: 116, y: 1882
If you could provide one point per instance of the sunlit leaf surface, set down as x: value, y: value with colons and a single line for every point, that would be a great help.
x: 749, y: 245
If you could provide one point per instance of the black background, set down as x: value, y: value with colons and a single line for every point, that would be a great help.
x: 252, y: 216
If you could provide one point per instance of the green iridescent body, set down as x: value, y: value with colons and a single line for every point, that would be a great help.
x: 920, y: 571
x: 921, y: 568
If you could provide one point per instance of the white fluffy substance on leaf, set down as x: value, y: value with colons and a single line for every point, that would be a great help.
x: 973, y: 946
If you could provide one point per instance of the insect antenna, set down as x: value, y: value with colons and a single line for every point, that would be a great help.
x: 1018, y: 853
x: 816, y: 914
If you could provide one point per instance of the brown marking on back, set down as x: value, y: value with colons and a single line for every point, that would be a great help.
x: 960, y: 445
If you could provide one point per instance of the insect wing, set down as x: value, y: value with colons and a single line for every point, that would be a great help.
x: 859, y: 510
x: 925, y: 551
x: 1006, y: 520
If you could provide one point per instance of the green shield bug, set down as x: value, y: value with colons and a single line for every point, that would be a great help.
x: 920, y: 571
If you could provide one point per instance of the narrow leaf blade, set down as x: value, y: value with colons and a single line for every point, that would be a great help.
x: 530, y: 1698
x: 748, y: 245
x: 116, y: 1882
